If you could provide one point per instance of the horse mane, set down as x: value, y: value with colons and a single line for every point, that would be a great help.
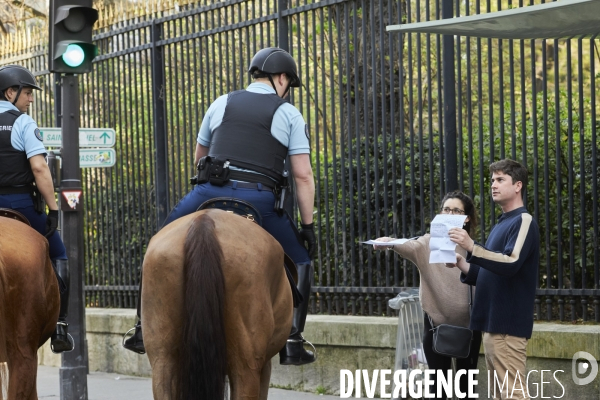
x: 203, y: 365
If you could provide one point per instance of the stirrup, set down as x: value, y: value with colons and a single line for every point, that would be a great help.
x: 69, y: 337
x: 314, y: 350
x: 294, y: 353
x: 127, y: 333
x: 126, y: 337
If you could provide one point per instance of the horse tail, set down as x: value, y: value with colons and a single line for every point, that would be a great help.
x: 3, y: 346
x: 203, y: 363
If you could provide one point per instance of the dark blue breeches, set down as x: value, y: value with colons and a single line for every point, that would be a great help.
x: 23, y: 203
x: 279, y: 226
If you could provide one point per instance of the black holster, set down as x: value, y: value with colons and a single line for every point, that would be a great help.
x: 213, y: 170
x: 38, y: 201
x: 282, y: 195
x: 202, y: 167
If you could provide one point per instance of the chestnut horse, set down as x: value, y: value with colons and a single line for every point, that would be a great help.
x: 29, y: 305
x: 215, y: 301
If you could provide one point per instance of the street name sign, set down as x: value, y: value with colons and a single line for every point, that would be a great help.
x: 94, y: 158
x: 88, y: 137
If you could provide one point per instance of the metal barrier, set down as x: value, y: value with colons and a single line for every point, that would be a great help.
x: 409, y: 340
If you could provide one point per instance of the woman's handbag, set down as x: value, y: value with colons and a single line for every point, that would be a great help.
x: 450, y: 340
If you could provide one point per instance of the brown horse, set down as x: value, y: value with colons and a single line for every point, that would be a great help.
x: 215, y: 301
x: 29, y: 305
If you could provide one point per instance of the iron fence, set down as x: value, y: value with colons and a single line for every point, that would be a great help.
x: 374, y: 104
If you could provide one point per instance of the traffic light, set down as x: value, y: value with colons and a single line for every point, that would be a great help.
x: 71, y: 47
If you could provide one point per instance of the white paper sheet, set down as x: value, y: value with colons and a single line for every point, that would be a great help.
x: 443, y: 250
x: 390, y: 243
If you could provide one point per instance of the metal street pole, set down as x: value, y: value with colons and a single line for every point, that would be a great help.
x: 449, y: 92
x: 73, y: 372
x: 161, y: 168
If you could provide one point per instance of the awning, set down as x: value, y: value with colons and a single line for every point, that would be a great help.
x: 564, y: 19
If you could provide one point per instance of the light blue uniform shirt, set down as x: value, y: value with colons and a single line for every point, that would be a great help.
x: 288, y: 124
x: 23, y: 136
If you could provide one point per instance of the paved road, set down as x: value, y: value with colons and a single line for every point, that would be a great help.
x: 104, y: 386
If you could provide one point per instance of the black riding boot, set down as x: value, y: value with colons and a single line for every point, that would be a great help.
x: 136, y: 342
x: 61, y: 340
x: 294, y: 353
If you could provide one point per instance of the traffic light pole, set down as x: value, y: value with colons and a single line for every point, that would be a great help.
x: 73, y: 372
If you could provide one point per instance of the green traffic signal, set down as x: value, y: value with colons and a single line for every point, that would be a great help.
x: 71, y: 46
x: 73, y: 56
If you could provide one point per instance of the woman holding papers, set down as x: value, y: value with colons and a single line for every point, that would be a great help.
x: 443, y: 297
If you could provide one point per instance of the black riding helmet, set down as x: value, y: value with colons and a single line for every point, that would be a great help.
x: 274, y: 60
x: 16, y: 75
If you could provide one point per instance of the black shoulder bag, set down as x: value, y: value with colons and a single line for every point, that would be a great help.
x: 451, y: 340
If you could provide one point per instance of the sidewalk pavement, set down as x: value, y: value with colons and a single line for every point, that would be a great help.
x: 105, y: 386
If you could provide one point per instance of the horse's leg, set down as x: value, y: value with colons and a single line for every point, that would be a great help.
x: 265, y: 379
x: 246, y: 359
x: 161, y: 326
x: 163, y: 387
x: 22, y: 377
x: 32, y: 311
x: 245, y: 385
x: 162, y: 313
x: 23, y: 349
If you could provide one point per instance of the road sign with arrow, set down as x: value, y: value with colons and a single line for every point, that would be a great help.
x: 88, y: 137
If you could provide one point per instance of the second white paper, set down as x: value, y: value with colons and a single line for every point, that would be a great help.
x: 443, y: 250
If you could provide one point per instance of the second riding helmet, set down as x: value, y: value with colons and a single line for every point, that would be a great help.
x: 274, y: 60
x: 16, y: 75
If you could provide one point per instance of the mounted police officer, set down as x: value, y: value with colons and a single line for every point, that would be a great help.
x: 25, y: 180
x: 242, y: 146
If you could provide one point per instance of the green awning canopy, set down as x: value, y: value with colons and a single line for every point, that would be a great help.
x: 564, y: 19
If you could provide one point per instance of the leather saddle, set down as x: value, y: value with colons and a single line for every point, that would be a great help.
x: 8, y: 213
x: 248, y: 211
x: 233, y: 205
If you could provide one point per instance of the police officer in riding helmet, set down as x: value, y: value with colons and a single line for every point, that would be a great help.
x: 25, y: 177
x: 248, y: 134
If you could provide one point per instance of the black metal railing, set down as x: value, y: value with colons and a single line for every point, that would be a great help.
x: 374, y: 104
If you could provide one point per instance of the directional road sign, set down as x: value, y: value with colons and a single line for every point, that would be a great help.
x: 93, y: 158
x: 88, y: 137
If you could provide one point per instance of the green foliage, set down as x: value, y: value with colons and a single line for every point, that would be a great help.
x: 383, y: 190
x: 560, y: 192
x: 390, y: 186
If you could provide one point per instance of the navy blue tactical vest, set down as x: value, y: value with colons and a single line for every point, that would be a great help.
x: 15, y: 169
x: 244, y: 136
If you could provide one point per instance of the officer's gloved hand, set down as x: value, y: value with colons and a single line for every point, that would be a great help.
x: 307, y: 233
x: 51, y: 223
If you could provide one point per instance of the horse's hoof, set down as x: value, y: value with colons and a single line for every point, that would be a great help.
x: 135, y: 343
x: 294, y: 353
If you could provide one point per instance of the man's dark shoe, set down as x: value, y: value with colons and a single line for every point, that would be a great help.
x: 136, y: 342
x: 294, y: 353
x: 61, y: 341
